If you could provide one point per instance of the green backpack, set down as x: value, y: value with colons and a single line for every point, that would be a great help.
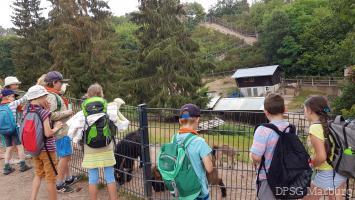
x: 176, y: 169
x: 98, y: 134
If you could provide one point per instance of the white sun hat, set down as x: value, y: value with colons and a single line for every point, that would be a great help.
x: 36, y: 91
x: 11, y: 80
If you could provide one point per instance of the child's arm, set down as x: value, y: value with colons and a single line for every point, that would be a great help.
x: 258, y: 147
x: 18, y: 102
x: 207, y: 162
x: 48, y: 131
x: 320, y: 153
x: 205, y: 154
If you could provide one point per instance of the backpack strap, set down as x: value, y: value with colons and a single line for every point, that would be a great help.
x: 45, y: 140
x: 188, y: 140
x: 59, y: 101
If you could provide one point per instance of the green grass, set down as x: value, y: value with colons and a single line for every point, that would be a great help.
x: 237, y: 136
x: 297, y: 102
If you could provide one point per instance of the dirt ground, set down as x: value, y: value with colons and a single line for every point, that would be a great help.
x: 17, y: 186
x: 224, y: 30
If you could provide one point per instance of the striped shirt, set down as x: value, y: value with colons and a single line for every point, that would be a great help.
x: 264, y: 144
x: 14, y: 105
x: 44, y: 115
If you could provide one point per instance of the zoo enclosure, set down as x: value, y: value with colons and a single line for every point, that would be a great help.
x: 230, y: 132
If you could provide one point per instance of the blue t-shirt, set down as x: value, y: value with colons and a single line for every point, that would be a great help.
x: 197, y: 150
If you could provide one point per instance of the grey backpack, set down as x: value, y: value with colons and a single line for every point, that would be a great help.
x: 343, y: 135
x: 32, y: 135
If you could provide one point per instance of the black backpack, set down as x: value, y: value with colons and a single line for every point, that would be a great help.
x: 289, y: 175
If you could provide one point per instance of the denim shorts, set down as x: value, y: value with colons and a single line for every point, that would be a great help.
x: 324, y: 180
x: 64, y: 147
x: 94, y: 175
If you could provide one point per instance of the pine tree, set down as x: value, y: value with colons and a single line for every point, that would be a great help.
x: 83, y: 46
x: 30, y: 54
x: 167, y: 72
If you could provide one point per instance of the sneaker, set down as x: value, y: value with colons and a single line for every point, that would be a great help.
x: 73, y: 180
x: 24, y: 167
x: 8, y: 169
x: 64, y: 189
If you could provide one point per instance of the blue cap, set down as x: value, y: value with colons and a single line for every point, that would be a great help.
x: 7, y: 92
x: 189, y: 110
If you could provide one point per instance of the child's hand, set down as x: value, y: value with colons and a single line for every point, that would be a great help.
x: 58, y: 125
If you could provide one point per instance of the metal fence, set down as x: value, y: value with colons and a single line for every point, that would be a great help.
x: 230, y: 134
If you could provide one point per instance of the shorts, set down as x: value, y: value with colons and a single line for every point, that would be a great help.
x: 64, y: 147
x: 324, y: 180
x: 265, y: 192
x: 12, y: 140
x: 43, y: 166
x: 94, y: 175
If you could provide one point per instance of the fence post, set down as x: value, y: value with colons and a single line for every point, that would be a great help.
x: 143, y: 127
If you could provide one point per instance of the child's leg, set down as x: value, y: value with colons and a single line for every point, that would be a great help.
x: 111, y: 182
x: 93, y: 181
x: 35, y: 187
x: 8, y: 154
x: 22, y: 156
x: 21, y: 152
x: 52, y: 190
x: 339, y: 193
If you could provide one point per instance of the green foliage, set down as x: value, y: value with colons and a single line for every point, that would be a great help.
x: 306, y: 37
x: 196, y: 11
x: 83, y: 44
x: 349, y: 113
x: 6, y: 65
x: 167, y: 72
x: 30, y: 54
x: 346, y: 101
x: 235, y: 54
x: 228, y: 7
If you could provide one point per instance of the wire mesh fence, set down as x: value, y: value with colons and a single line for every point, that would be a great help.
x: 228, y: 133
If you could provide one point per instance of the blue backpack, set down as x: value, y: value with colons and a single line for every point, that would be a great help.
x: 7, y: 121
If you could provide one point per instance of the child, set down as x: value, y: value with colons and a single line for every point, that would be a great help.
x: 101, y: 157
x: 265, y: 140
x: 316, y: 111
x: 8, y: 98
x: 60, y: 113
x: 12, y: 83
x: 198, y: 150
x: 43, y: 167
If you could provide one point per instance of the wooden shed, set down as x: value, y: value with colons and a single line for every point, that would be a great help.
x: 257, y: 81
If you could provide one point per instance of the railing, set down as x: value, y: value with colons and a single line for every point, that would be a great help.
x: 229, y: 133
x: 314, y: 80
x: 232, y: 26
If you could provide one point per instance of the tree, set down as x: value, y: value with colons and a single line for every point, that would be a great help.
x: 275, y: 28
x: 229, y: 7
x: 83, y: 44
x: 6, y: 65
x: 195, y: 11
x: 346, y: 101
x: 30, y: 54
x: 167, y: 72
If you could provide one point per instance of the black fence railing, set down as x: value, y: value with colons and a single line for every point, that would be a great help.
x: 230, y: 134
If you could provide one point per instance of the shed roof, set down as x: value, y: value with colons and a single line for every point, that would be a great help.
x: 242, y: 103
x: 255, y: 71
x: 213, y: 102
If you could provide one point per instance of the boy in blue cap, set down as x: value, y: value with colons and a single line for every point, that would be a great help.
x: 8, y: 99
x: 198, y: 150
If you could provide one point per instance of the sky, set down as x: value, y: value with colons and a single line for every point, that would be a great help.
x: 118, y: 8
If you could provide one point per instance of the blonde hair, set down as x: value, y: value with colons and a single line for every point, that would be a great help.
x: 95, y: 90
x: 41, y: 81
